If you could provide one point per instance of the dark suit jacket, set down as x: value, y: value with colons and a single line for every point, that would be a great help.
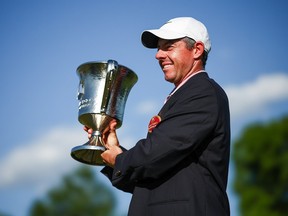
x: 181, y: 168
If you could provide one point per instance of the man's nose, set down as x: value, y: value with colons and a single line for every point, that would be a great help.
x: 160, y: 54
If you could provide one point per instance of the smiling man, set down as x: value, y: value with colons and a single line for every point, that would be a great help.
x: 181, y: 167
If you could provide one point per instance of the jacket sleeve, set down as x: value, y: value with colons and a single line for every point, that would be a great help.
x: 184, y: 131
x: 109, y: 173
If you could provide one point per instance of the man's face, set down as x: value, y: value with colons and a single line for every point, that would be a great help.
x: 175, y: 59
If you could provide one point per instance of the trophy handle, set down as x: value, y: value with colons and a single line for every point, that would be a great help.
x: 112, y: 67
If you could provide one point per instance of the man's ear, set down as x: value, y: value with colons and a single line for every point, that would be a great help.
x: 198, y: 49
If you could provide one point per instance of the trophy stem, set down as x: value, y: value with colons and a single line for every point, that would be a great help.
x: 90, y: 152
x: 96, y: 140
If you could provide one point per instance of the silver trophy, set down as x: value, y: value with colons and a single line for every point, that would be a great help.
x: 102, y: 94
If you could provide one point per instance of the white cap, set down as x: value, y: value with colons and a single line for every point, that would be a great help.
x: 175, y: 29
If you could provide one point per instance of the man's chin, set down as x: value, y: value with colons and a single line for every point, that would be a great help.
x: 168, y: 79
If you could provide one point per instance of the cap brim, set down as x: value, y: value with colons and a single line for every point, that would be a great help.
x: 150, y: 38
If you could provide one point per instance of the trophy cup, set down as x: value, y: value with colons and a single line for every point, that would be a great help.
x: 102, y: 94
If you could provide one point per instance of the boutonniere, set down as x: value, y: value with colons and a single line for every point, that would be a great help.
x: 155, y: 120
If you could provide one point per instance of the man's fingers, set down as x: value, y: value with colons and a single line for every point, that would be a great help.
x: 113, y: 124
x: 88, y: 130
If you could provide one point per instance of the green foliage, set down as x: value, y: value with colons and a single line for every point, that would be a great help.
x: 261, y: 163
x: 80, y: 194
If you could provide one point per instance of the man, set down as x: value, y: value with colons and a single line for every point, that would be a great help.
x: 181, y: 167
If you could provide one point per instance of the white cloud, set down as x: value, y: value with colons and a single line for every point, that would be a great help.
x: 253, y: 96
x: 40, y: 164
x: 42, y: 161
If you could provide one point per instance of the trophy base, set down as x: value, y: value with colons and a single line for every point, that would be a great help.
x: 88, y: 154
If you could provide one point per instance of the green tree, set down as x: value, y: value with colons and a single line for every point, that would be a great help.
x: 80, y: 194
x: 261, y: 163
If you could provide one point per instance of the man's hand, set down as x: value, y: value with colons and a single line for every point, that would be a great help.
x: 111, y: 143
x: 89, y: 131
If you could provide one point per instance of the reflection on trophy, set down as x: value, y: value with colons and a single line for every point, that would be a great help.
x: 102, y: 94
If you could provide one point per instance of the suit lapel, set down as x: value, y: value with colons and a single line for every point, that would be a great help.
x: 170, y: 102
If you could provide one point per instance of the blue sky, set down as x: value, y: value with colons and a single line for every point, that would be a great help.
x: 43, y: 42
